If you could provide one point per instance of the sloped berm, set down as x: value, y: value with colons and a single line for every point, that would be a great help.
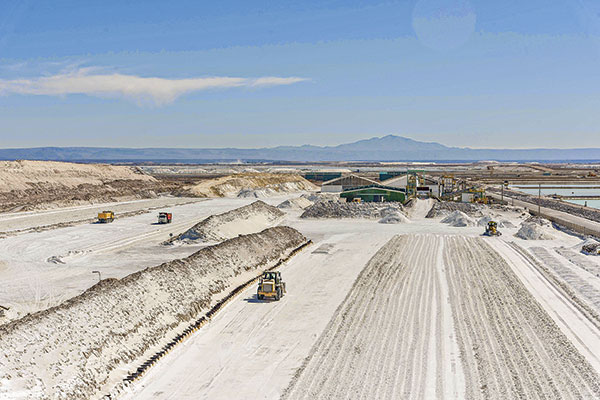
x: 86, y: 345
x: 240, y: 221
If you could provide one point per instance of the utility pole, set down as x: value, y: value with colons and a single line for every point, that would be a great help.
x: 502, y: 196
x: 539, y: 198
x: 99, y: 275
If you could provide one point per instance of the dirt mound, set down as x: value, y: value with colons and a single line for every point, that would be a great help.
x: 28, y: 185
x: 319, y: 196
x: 247, y: 219
x: 336, y: 209
x: 535, y: 228
x: 299, y: 203
x: 251, y: 185
x: 444, y: 208
x: 23, y: 175
x: 502, y: 223
x: 393, y: 216
x: 85, y: 345
x: 458, y: 219
x: 257, y: 193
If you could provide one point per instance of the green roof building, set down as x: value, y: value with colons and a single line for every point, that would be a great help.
x: 375, y: 193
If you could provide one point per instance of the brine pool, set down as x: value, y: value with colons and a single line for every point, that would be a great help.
x: 569, y: 190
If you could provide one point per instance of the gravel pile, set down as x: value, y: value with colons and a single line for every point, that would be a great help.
x: 502, y: 223
x: 247, y: 219
x: 337, y: 209
x: 257, y: 193
x: 444, y: 208
x: 315, y: 197
x: 535, y: 228
x: 392, y: 215
x: 299, y: 203
x: 250, y: 185
x: 458, y: 219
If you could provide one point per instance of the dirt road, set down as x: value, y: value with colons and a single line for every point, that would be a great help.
x: 392, y: 337
x: 251, y: 349
x: 41, y: 269
x: 32, y: 221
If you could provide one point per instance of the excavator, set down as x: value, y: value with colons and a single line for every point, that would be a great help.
x: 492, y: 229
x: 270, y: 286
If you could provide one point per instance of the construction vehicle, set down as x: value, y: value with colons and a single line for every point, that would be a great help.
x: 106, y: 216
x: 356, y: 200
x: 165, y: 218
x: 492, y: 229
x: 270, y: 286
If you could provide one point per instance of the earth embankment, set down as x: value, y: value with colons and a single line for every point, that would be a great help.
x: 28, y: 185
x: 84, y: 345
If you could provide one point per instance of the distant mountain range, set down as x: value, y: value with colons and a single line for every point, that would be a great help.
x: 387, y: 148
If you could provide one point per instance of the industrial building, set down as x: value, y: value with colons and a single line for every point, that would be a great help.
x: 346, y: 182
x: 375, y: 193
x: 424, y: 187
x: 321, y: 176
x: 383, y: 176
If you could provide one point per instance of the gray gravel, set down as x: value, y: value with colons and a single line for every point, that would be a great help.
x: 444, y: 208
x: 336, y: 209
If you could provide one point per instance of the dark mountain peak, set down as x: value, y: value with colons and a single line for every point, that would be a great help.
x: 391, y: 143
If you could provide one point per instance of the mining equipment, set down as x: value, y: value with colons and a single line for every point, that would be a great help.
x: 270, y: 286
x: 165, y: 218
x: 106, y: 216
x: 492, y: 229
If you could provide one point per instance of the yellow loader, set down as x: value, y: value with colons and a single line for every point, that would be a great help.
x: 270, y: 286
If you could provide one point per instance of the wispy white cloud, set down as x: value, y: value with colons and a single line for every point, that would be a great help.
x: 159, y: 91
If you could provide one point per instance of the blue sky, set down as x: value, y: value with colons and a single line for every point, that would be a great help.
x: 506, y: 74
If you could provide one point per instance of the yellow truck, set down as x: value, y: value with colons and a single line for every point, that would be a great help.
x: 270, y: 286
x: 106, y: 217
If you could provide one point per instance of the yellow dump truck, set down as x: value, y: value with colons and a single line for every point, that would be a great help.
x: 106, y: 216
x: 270, y: 286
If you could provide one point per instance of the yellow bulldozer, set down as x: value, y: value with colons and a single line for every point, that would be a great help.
x: 270, y: 286
x: 106, y: 216
x: 492, y: 229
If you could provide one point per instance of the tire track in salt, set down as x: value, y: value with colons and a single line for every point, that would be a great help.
x: 335, y: 340
x: 520, y: 342
x: 471, y: 317
x: 383, y: 341
x: 385, y: 376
